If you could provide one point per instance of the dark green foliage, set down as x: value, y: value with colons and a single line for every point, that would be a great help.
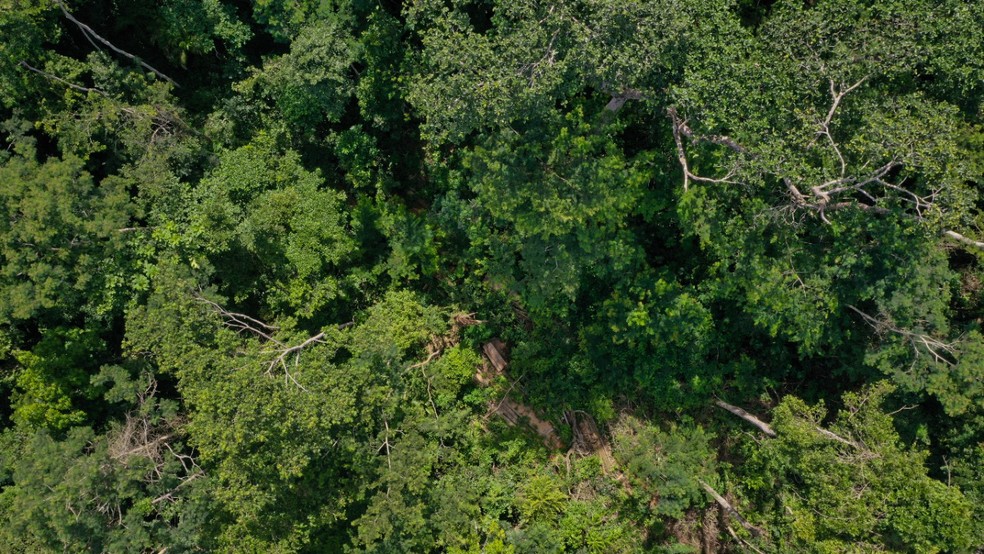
x: 250, y: 253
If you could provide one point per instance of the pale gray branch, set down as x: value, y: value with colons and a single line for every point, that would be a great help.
x: 755, y: 531
x: 763, y: 426
x: 89, y: 32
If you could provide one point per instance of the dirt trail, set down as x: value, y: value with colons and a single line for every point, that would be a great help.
x: 509, y: 409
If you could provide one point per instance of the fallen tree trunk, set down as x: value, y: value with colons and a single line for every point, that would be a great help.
x: 763, y: 426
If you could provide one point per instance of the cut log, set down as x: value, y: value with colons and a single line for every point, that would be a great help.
x: 589, y: 440
x: 763, y: 426
x: 514, y: 413
x: 494, y: 352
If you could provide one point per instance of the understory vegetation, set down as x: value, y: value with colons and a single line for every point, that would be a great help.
x: 491, y: 276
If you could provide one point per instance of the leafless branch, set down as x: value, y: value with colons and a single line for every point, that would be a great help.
x: 763, y: 426
x: 836, y: 97
x: 91, y: 34
x: 619, y: 99
x: 58, y: 79
x: 834, y: 436
x: 939, y: 351
x: 680, y: 129
x: 240, y: 322
x: 295, y: 351
x: 755, y: 531
x: 963, y: 239
x: 742, y: 541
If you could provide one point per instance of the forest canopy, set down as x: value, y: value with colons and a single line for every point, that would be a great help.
x: 492, y: 276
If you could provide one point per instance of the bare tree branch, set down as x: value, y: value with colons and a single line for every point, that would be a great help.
x: 58, y: 79
x: 240, y: 322
x: 680, y: 129
x: 941, y: 352
x: 834, y: 436
x: 755, y: 531
x: 281, y: 358
x: 763, y: 426
x: 963, y: 239
x: 91, y: 34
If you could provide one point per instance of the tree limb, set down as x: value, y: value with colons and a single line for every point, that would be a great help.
x: 91, y: 34
x: 240, y: 322
x: 963, y: 239
x: 296, y: 350
x: 763, y: 426
x: 941, y: 352
x: 58, y: 79
x: 834, y: 436
x: 755, y: 531
x: 680, y: 128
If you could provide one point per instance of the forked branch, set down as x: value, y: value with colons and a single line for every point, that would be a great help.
x: 240, y: 322
x: 941, y: 352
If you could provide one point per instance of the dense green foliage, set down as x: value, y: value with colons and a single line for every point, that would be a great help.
x: 250, y: 253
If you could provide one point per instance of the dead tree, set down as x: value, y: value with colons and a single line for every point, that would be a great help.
x: 864, y: 190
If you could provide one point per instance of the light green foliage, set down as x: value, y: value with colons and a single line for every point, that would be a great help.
x: 189, y: 27
x: 312, y: 82
x: 131, y: 488
x: 665, y: 465
x: 243, y: 306
x: 838, y: 173
x: 53, y: 378
x: 26, y: 28
x: 283, y: 440
x: 489, y: 65
x: 861, y: 489
x: 261, y: 204
x: 283, y: 19
x: 553, y: 206
x: 668, y: 332
x: 471, y: 80
x: 58, y: 230
x: 541, y: 498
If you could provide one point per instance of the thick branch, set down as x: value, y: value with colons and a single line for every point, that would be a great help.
x: 241, y: 322
x: 721, y: 140
x: 681, y: 153
x: 834, y: 436
x: 680, y: 128
x: 763, y: 426
x: 755, y: 531
x: 965, y: 240
x: 296, y: 349
x: 941, y: 352
x: 619, y: 100
x: 91, y: 34
x: 837, y: 97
